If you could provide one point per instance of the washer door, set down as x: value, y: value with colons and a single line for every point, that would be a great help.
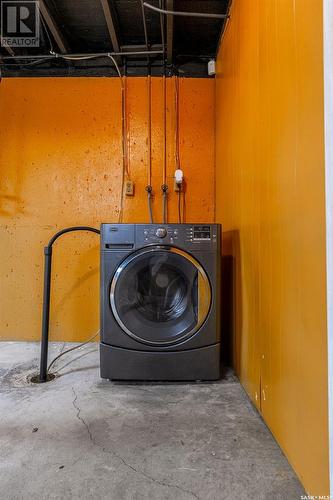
x: 160, y: 295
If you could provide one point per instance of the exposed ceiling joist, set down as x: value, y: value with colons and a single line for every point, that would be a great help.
x: 52, y: 26
x: 9, y: 49
x: 144, y: 25
x: 88, y: 32
x: 111, y: 22
x: 169, y: 32
x: 130, y: 48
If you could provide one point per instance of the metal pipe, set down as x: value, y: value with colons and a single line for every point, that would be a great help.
x: 47, y: 295
x: 179, y: 13
x: 85, y: 56
x: 46, y: 314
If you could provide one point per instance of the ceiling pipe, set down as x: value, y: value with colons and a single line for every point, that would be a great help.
x: 179, y: 13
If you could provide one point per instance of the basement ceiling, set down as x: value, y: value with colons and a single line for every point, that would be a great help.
x: 175, y: 44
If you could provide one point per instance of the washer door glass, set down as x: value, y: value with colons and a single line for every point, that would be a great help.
x: 160, y: 295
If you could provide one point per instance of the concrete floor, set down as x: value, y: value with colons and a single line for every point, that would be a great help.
x: 79, y: 437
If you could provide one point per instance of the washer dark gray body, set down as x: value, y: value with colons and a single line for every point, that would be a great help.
x: 185, y: 346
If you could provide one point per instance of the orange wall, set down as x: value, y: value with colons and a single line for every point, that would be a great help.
x: 270, y: 199
x: 61, y: 163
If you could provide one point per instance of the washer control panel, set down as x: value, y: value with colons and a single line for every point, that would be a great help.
x: 120, y: 237
x: 203, y: 235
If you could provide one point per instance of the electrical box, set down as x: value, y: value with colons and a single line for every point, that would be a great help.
x: 129, y: 188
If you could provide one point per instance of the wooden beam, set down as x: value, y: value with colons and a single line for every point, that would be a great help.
x: 169, y: 33
x: 111, y: 24
x: 129, y: 48
x: 52, y: 26
x: 9, y: 49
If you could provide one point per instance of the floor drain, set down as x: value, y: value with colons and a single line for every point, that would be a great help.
x: 35, y: 378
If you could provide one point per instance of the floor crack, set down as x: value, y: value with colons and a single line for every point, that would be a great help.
x: 119, y: 457
x: 78, y: 415
x: 147, y: 476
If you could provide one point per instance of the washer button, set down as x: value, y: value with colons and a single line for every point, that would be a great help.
x: 161, y: 232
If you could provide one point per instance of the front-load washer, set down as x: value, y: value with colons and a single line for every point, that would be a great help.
x: 160, y: 301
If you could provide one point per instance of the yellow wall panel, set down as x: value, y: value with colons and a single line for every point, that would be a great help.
x: 270, y: 198
x: 61, y: 164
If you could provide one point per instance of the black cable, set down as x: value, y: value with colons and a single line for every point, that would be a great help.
x: 43, y: 371
x: 72, y: 349
x: 69, y: 230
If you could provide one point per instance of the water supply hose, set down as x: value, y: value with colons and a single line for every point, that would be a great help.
x: 164, y: 188
x: 149, y: 190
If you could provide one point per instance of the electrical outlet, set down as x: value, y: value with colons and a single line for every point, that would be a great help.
x: 178, y: 178
x: 129, y: 188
